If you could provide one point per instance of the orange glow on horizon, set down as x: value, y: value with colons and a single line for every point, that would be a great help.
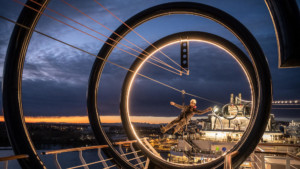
x: 85, y: 120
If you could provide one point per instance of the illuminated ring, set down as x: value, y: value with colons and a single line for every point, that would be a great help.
x: 217, y: 41
x: 261, y: 98
x: 223, y: 112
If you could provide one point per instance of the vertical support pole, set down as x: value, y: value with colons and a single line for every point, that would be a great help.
x: 57, y: 165
x: 5, y: 164
x: 262, y: 161
x: 122, y: 152
x: 147, y: 163
x: 82, y: 160
x: 101, y: 158
x: 136, y: 155
x: 288, y: 163
x: 184, y: 48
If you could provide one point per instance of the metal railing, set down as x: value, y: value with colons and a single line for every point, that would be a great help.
x: 137, y: 160
x: 9, y: 158
x: 258, y: 159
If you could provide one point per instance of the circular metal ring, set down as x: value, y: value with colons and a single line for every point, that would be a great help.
x: 223, y: 112
x: 12, y: 86
x: 261, y: 103
x: 230, y: 48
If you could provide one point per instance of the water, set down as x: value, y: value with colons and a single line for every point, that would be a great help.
x: 66, y: 159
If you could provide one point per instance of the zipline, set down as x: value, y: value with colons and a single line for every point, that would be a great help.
x: 154, y: 58
x: 117, y: 35
x: 92, y: 35
x: 138, y: 34
x: 107, y: 61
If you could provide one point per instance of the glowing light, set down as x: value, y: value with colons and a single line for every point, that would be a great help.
x: 141, y: 65
x: 215, y: 109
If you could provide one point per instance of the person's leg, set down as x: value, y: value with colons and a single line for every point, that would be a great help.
x: 170, y: 125
x: 179, y: 126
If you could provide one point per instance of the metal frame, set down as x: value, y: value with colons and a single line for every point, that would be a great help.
x: 12, y: 80
x: 236, y: 53
x: 286, y: 20
x: 12, y: 86
x: 262, y: 96
x: 223, y: 112
x: 184, y: 57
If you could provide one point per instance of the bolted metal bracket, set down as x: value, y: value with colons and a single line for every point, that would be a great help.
x: 184, y: 58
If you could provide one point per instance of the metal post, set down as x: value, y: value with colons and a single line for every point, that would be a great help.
x: 5, y: 164
x: 288, y: 163
x: 57, y: 165
x: 101, y: 158
x: 82, y: 160
x: 136, y: 155
x: 147, y: 163
x: 121, y: 151
x: 262, y: 161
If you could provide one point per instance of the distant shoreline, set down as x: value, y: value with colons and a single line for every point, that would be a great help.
x: 109, y: 120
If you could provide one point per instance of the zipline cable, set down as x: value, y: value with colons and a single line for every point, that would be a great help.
x: 91, y: 35
x: 107, y: 61
x: 138, y: 34
x: 99, y: 23
x: 154, y: 58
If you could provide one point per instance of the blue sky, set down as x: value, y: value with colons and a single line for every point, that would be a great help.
x: 55, y: 76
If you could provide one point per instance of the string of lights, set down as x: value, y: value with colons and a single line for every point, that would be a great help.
x: 286, y: 102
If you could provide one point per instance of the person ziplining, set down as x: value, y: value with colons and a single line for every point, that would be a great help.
x: 187, y: 112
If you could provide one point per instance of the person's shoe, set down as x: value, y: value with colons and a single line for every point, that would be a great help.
x: 162, y: 129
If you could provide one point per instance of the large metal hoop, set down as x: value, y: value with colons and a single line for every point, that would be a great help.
x: 12, y: 86
x: 221, y: 43
x: 261, y: 105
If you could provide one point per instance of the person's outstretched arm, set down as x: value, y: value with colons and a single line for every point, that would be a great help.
x: 200, y: 112
x: 176, y: 105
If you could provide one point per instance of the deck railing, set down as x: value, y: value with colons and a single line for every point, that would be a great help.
x: 137, y: 160
x: 9, y: 158
x: 258, y: 159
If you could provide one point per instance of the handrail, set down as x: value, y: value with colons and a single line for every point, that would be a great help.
x: 16, y: 157
x: 88, y: 164
x: 125, y: 142
x: 73, y: 149
x: 85, y: 148
x: 279, y: 144
x: 279, y: 153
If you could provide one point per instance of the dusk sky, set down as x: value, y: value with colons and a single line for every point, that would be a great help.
x: 55, y: 76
